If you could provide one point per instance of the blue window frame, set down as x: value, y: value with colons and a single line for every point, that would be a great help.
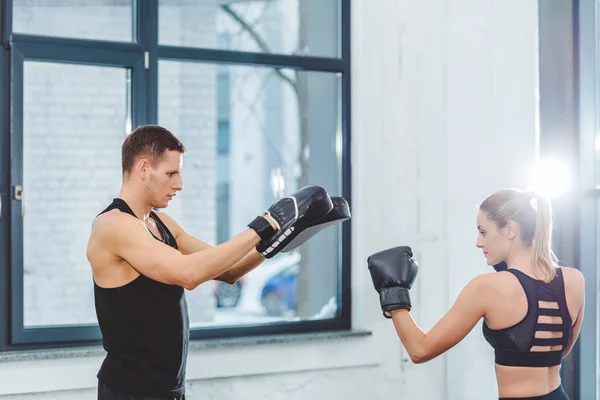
x: 569, y: 118
x: 587, y: 90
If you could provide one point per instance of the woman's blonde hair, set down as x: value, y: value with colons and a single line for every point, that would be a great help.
x: 533, y: 213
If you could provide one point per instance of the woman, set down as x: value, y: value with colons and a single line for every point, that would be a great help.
x: 532, y: 309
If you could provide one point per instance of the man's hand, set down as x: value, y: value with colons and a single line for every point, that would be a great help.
x: 271, y: 221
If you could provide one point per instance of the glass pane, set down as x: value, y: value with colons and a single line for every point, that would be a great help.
x: 89, y: 19
x: 299, y: 27
x: 73, y: 127
x: 245, y: 138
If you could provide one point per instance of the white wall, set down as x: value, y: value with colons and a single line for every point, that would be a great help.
x: 435, y: 84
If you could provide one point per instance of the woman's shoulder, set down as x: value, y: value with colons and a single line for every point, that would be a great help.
x: 573, y: 277
x: 494, y: 277
x: 495, y: 289
x: 490, y: 282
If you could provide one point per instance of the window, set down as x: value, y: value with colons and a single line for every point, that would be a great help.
x: 73, y: 128
x: 295, y: 27
x: 92, y: 19
x: 587, y: 372
x: 570, y: 130
x: 258, y: 91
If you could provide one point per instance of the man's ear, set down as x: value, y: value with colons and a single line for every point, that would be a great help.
x: 141, y: 168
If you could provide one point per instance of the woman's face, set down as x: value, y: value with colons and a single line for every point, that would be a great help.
x: 493, y: 241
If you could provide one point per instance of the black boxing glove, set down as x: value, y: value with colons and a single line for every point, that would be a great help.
x: 393, y: 272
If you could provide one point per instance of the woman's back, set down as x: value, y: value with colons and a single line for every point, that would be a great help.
x: 530, y: 339
x: 531, y: 324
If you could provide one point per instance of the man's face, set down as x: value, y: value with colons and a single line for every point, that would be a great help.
x: 165, y: 179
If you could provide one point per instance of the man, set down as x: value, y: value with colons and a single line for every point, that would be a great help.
x: 143, y: 260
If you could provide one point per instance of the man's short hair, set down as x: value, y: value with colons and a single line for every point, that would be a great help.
x: 150, y: 142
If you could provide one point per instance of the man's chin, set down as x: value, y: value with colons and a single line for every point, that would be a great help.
x: 161, y: 205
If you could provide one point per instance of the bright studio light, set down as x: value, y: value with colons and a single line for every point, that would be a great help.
x: 551, y: 178
x: 277, y: 183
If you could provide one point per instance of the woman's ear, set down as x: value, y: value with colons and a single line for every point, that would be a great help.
x: 511, y: 229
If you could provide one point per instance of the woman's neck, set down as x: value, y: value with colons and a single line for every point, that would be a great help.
x: 521, y: 259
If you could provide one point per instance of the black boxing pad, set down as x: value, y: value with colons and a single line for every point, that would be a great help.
x: 339, y: 213
x: 294, y: 214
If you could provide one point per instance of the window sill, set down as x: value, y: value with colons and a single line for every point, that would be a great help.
x: 97, y: 351
x: 70, y: 369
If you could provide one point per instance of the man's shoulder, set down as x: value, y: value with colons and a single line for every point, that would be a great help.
x: 111, y: 221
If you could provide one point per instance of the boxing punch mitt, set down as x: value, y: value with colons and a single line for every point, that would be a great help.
x: 393, y: 272
x: 293, y: 214
x: 339, y: 213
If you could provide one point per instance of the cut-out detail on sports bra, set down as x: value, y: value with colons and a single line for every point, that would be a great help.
x: 538, y: 340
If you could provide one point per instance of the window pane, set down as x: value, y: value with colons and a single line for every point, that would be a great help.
x: 300, y: 27
x: 244, y: 136
x: 73, y: 128
x: 89, y: 19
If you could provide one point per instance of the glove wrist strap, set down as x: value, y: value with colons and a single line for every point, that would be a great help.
x: 394, y: 298
x: 262, y: 227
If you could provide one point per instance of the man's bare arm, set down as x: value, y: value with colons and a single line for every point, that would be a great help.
x: 129, y: 239
x: 188, y: 244
x: 250, y: 261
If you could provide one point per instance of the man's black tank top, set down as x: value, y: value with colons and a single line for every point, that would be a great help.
x: 145, y: 330
x: 512, y: 345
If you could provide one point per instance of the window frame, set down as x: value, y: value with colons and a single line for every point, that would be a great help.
x: 141, y: 56
x: 569, y: 116
x: 587, y: 113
